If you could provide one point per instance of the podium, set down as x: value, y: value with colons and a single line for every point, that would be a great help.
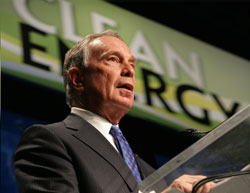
x: 225, y: 149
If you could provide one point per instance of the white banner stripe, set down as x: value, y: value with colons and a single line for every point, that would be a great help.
x: 32, y: 71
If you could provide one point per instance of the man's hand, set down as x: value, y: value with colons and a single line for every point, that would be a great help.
x: 185, y: 184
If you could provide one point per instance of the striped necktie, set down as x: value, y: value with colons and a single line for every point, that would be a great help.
x: 126, y: 151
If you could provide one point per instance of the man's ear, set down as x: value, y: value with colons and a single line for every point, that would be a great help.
x: 75, y: 76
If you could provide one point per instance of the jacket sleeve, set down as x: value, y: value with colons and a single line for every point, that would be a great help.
x: 42, y: 164
x: 146, y: 170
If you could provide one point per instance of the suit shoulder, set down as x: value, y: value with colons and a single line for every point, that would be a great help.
x: 43, y: 128
x: 56, y: 132
x: 41, y: 131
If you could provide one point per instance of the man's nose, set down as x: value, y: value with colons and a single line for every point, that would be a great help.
x: 128, y: 70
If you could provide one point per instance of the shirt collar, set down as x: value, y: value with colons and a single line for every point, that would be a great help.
x: 100, y: 123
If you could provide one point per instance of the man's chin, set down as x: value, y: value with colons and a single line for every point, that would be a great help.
x: 125, y: 104
x: 126, y: 93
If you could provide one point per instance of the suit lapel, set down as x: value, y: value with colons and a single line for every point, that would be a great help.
x: 90, y: 136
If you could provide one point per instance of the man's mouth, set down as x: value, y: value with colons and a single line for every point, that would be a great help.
x: 127, y: 86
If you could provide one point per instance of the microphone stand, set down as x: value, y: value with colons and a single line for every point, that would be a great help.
x: 219, y: 176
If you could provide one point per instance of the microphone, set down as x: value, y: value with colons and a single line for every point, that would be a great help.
x: 217, y: 177
x: 193, y: 131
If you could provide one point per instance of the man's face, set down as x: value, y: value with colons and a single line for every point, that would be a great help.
x: 110, y: 77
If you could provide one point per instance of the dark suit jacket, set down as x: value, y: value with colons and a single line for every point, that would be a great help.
x: 71, y: 156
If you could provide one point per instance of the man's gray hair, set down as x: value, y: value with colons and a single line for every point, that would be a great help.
x: 78, y: 57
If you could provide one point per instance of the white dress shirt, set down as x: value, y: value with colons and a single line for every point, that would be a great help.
x: 101, y: 124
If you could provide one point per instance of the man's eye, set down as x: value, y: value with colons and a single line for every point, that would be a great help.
x: 133, y: 65
x: 114, y: 59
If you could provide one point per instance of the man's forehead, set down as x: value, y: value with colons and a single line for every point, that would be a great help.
x: 96, y: 42
x: 108, y: 44
x: 105, y: 41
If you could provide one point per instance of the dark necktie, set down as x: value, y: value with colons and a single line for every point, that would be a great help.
x: 126, y: 151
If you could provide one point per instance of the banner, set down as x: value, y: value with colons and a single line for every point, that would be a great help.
x: 180, y: 81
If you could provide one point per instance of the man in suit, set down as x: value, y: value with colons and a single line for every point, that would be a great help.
x: 82, y: 154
